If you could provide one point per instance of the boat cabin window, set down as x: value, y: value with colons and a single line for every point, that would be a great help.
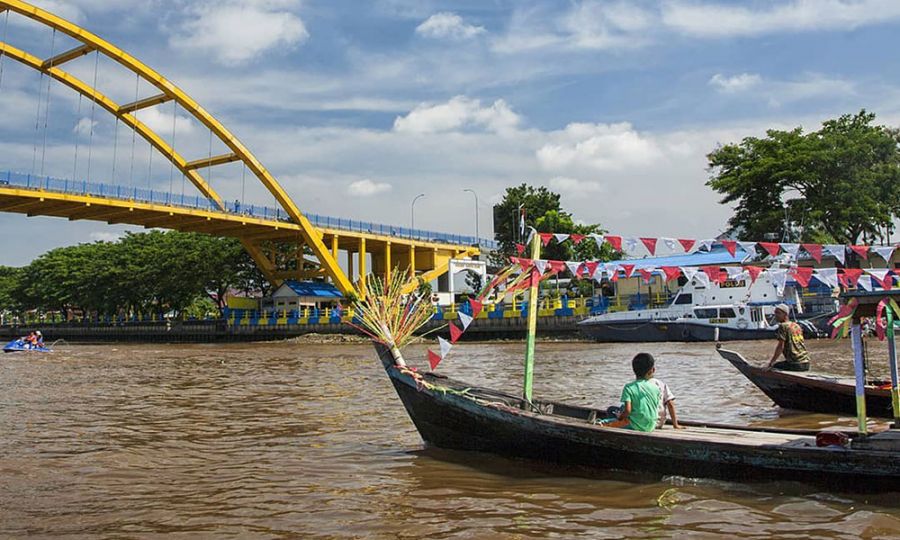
x: 706, y: 313
x: 727, y: 313
x: 756, y: 314
x: 684, y: 298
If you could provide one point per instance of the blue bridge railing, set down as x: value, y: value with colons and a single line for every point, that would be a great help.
x: 197, y: 202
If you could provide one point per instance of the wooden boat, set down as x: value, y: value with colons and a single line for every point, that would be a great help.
x: 455, y: 415
x: 812, y: 392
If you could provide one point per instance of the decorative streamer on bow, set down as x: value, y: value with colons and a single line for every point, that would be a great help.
x: 841, y: 322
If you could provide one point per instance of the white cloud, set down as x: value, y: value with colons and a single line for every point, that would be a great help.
x: 161, y: 122
x: 60, y: 8
x: 598, y: 147
x: 459, y: 112
x: 448, y: 25
x: 572, y: 185
x: 367, y: 188
x: 84, y: 126
x: 736, y: 83
x: 709, y: 19
x: 237, y: 32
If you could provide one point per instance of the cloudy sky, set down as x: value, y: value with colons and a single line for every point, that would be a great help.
x: 357, y: 107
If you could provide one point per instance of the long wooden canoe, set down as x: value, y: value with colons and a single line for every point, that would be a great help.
x: 454, y: 415
x: 810, y: 391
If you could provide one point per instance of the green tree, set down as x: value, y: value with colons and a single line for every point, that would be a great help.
x: 840, y: 182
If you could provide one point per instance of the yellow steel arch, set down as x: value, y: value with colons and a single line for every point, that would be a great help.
x: 91, y: 42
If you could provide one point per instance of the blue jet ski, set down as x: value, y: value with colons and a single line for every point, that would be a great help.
x: 20, y: 345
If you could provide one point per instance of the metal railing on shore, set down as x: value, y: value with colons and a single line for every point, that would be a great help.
x: 197, y: 202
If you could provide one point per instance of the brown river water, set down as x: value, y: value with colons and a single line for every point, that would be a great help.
x: 294, y: 440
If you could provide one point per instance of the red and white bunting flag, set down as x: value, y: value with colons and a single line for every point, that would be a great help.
x: 561, y: 237
x: 476, y: 306
x: 574, y: 268
x: 576, y: 238
x: 730, y: 246
x: 614, y: 241
x: 556, y: 266
x: 714, y: 273
x: 771, y: 248
x: 646, y: 273
x: 613, y: 272
x: 525, y: 264
x: 702, y: 279
x: 791, y: 248
x: 815, y: 251
x: 455, y: 332
x: 802, y: 274
x: 671, y: 243
x: 882, y: 277
x: 630, y: 244
x: 433, y: 359
x: 520, y: 249
x: 545, y: 238
x: 779, y: 279
x: 540, y: 265
x: 865, y: 282
x: 599, y: 239
x: 828, y: 276
x: 689, y: 272
x: 628, y: 269
x: 839, y: 251
x: 707, y: 244
x: 851, y: 276
x: 445, y: 347
x: 650, y: 244
x: 464, y: 320
x: 687, y: 244
x: 885, y: 252
x: 733, y: 272
x: 862, y: 251
x: 754, y: 272
x: 671, y: 272
x: 590, y: 268
x: 749, y: 247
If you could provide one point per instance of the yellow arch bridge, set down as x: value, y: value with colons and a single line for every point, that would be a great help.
x: 276, y: 237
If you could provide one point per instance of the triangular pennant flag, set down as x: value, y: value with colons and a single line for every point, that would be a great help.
x: 687, y: 244
x: 597, y: 274
x: 670, y: 243
x: 730, y: 246
x: 828, y: 276
x: 557, y: 266
x: 689, y: 272
x: 754, y: 272
x: 702, y: 279
x: 445, y: 347
x: 779, y: 279
x: 865, y: 282
x: 815, y: 250
x: 885, y: 252
x: 881, y: 276
x: 614, y: 241
x: 590, y: 268
x: 862, y: 251
x: 770, y: 247
x: 707, y: 244
x: 576, y: 238
x: 520, y: 249
x: 791, y: 248
x: 540, y: 265
x: 733, y: 271
x: 646, y: 273
x: 801, y: 275
x: 630, y: 244
x: 671, y: 272
x: 628, y: 269
x: 839, y: 251
x: 599, y: 239
x: 613, y: 272
x: 465, y: 320
x: 574, y: 268
x: 433, y: 359
x: 476, y: 306
x: 852, y: 275
x: 545, y: 238
x: 650, y: 244
x: 525, y: 263
x: 455, y: 332
x: 713, y: 272
x: 561, y: 237
x: 749, y: 247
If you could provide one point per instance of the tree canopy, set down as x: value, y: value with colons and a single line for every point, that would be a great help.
x: 544, y: 212
x: 838, y: 184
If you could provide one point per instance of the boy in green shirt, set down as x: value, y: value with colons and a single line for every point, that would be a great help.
x: 640, y: 397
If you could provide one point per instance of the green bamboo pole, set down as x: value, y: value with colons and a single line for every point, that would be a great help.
x: 892, y: 363
x: 859, y: 368
x: 532, y: 322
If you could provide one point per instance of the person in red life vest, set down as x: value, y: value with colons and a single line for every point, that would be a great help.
x: 790, y: 343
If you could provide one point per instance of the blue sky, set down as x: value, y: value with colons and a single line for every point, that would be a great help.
x: 357, y: 107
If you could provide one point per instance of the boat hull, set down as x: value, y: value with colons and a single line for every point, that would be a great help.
x: 652, y: 331
x: 451, y: 420
x: 810, y: 392
x: 14, y: 346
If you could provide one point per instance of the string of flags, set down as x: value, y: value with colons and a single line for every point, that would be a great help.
x: 630, y: 244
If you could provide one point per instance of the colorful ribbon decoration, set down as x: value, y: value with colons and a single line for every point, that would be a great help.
x: 841, y: 321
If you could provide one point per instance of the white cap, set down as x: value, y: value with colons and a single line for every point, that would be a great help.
x: 783, y: 308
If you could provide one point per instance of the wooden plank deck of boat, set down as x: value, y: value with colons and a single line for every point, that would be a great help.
x: 734, y: 436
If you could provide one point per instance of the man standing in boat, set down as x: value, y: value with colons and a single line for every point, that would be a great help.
x: 790, y: 343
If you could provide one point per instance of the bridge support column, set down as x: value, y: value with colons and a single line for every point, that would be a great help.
x: 334, y: 246
x: 412, y: 262
x: 387, y: 262
x: 362, y: 266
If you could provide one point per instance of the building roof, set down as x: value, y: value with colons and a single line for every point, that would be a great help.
x: 313, y: 288
x: 718, y: 255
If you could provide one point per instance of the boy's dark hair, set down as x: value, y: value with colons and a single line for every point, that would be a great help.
x: 642, y: 363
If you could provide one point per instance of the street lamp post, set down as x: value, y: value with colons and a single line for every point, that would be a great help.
x: 412, y: 211
x: 477, y: 235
